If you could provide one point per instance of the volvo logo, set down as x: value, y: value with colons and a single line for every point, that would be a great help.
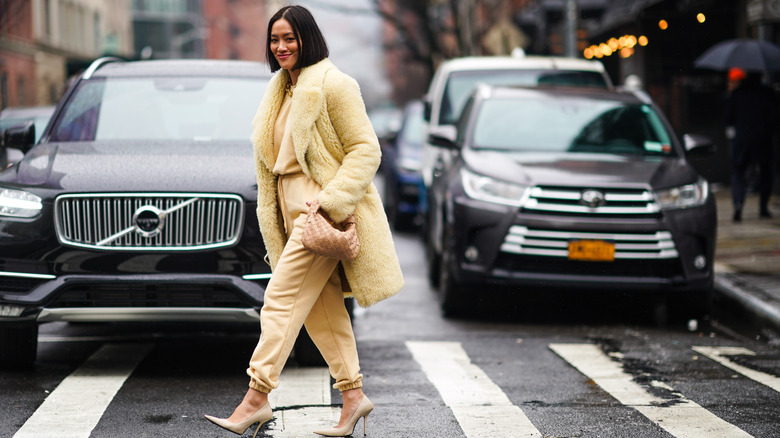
x: 148, y: 221
x: 592, y: 199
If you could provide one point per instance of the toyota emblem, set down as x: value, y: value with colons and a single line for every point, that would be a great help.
x: 592, y: 199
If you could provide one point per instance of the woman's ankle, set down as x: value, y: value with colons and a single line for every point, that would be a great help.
x: 255, y: 398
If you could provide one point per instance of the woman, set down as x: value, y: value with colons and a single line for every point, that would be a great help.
x: 313, y: 141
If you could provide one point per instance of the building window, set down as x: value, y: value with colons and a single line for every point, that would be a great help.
x: 21, y: 94
x: 47, y: 18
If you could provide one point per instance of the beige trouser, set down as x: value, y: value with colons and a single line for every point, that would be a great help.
x: 305, y: 289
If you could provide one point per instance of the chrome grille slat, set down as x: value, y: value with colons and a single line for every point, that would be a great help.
x: 207, y: 221
x: 637, y: 202
x: 553, y: 243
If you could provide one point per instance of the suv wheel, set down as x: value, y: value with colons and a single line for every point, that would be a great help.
x: 453, y: 295
x: 306, y: 353
x: 18, y: 344
x: 431, y: 257
x: 694, y: 306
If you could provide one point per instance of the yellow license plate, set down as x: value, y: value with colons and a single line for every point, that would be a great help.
x: 592, y: 250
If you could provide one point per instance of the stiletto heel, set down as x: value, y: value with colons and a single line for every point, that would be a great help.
x: 262, y: 416
x: 364, y: 408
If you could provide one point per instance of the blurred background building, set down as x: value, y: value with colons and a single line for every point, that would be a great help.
x: 41, y: 39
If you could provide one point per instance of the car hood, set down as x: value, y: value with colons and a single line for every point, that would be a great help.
x: 220, y: 167
x: 581, y: 169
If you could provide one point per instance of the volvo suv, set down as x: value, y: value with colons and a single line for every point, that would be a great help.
x: 569, y: 188
x: 137, y: 204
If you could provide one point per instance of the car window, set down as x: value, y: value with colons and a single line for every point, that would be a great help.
x: 413, y: 130
x: 188, y: 108
x: 461, y: 84
x: 571, y: 125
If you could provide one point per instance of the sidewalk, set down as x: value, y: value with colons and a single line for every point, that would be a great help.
x: 747, y: 257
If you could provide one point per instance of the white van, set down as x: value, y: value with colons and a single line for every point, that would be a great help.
x: 456, y: 79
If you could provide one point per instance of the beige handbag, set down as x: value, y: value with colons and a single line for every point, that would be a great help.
x: 322, y: 237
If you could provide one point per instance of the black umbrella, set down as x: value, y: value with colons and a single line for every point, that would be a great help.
x: 753, y: 55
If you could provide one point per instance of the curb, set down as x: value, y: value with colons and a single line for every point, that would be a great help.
x: 751, y: 298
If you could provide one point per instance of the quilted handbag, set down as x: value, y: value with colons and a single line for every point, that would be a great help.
x: 322, y: 237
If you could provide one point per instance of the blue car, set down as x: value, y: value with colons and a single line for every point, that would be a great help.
x: 404, y: 188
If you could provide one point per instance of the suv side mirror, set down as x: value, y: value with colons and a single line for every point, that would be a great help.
x: 698, y: 144
x: 443, y: 136
x: 21, y: 137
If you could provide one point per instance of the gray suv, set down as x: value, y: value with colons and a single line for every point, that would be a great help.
x: 569, y: 188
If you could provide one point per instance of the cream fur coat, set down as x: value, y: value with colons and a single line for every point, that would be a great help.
x: 337, y: 148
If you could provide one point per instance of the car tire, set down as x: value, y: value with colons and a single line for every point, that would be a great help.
x: 306, y: 353
x: 453, y: 295
x: 18, y: 344
x: 431, y: 256
x: 694, y: 306
x: 402, y: 221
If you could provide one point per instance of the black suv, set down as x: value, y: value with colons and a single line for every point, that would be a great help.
x: 568, y: 188
x: 137, y: 204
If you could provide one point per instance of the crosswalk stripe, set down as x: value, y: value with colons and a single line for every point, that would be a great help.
x: 479, y: 405
x: 302, y: 403
x: 718, y: 354
x: 302, y: 387
x: 677, y: 415
x: 74, y: 408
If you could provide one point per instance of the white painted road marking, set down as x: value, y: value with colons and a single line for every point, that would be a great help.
x: 74, y: 408
x: 718, y: 355
x: 302, y: 403
x: 677, y: 415
x: 479, y: 405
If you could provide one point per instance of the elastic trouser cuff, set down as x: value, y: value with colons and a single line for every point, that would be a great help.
x: 347, y: 386
x: 257, y: 387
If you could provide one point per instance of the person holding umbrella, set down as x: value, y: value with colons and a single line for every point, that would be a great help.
x: 751, y: 110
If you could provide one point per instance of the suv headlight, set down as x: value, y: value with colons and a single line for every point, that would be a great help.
x: 689, y: 195
x: 18, y: 203
x: 488, y: 189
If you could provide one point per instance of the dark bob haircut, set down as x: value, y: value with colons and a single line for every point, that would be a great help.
x: 312, y: 47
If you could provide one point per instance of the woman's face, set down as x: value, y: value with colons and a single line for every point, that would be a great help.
x: 283, y: 44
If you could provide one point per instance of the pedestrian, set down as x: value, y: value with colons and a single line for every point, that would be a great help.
x: 752, y: 111
x: 736, y: 75
x: 313, y: 141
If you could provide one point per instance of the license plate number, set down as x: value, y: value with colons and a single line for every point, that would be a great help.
x: 592, y: 250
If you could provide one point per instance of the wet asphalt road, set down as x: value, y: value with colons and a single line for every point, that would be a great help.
x: 566, y: 366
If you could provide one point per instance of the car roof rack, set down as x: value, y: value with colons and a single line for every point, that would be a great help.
x: 96, y: 64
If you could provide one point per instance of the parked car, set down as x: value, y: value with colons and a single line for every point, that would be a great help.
x: 138, y: 203
x: 404, y: 189
x: 456, y: 79
x: 569, y: 188
x: 13, y: 116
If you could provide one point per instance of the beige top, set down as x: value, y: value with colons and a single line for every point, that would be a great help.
x: 286, y: 161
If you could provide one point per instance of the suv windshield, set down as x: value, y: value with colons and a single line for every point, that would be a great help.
x: 161, y: 108
x: 568, y: 124
x: 461, y: 84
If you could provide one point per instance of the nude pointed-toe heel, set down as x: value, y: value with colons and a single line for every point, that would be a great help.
x: 364, y: 408
x: 262, y: 416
